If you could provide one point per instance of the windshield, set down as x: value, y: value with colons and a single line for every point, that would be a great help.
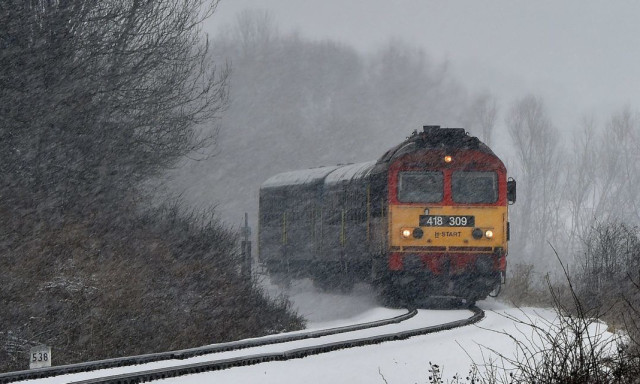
x: 474, y: 187
x: 420, y: 187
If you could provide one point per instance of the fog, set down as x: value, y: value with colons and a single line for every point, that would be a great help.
x: 578, y: 55
x: 325, y: 82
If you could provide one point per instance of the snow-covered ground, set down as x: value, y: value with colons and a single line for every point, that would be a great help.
x: 404, y: 361
x: 391, y: 362
x: 398, y: 362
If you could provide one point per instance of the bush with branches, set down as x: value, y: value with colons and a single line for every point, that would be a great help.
x: 159, y: 280
x: 576, y: 346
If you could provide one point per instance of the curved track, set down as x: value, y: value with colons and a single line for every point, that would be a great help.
x: 186, y: 369
x: 193, y: 352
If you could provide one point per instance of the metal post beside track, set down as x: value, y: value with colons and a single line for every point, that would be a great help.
x: 245, y: 245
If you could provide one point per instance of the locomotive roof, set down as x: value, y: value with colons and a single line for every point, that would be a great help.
x: 299, y: 177
x: 434, y: 137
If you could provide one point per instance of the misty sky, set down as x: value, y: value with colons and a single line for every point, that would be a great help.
x: 578, y: 55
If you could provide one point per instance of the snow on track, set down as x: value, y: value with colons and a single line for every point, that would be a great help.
x: 373, y: 315
x: 404, y: 361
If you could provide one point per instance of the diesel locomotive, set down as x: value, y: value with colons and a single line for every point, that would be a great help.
x: 427, y: 219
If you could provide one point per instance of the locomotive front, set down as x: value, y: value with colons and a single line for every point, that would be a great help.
x: 448, y: 228
x: 429, y: 218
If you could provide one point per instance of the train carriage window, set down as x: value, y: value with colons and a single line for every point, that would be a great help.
x: 420, y: 186
x: 474, y: 187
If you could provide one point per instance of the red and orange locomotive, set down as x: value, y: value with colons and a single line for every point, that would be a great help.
x: 429, y: 218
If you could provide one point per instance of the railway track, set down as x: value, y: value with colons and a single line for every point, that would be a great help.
x: 252, y: 359
x: 194, y: 352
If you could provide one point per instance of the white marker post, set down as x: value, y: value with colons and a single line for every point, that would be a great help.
x: 40, y: 357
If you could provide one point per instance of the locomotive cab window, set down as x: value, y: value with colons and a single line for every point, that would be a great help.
x: 420, y: 187
x: 474, y: 187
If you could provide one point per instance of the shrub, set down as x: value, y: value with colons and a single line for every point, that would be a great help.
x: 147, y: 282
x: 574, y: 348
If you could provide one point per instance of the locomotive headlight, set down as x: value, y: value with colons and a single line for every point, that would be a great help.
x: 418, y: 233
x: 489, y: 234
x: 447, y: 159
x: 406, y: 233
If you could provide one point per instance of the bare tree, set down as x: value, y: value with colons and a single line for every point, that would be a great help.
x: 581, y: 179
x: 536, y: 218
x: 408, y: 82
x: 483, y: 115
x: 615, y: 196
x: 98, y: 96
x: 255, y: 30
x: 609, y: 260
x: 602, y: 180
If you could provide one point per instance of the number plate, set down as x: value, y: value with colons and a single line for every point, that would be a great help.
x: 447, y: 221
x: 40, y: 357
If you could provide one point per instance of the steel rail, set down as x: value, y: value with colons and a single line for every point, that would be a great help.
x: 193, y: 352
x: 169, y: 372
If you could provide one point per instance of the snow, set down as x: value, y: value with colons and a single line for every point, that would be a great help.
x: 349, y: 172
x: 331, y: 175
x: 305, y: 176
x: 405, y: 361
x: 400, y: 361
